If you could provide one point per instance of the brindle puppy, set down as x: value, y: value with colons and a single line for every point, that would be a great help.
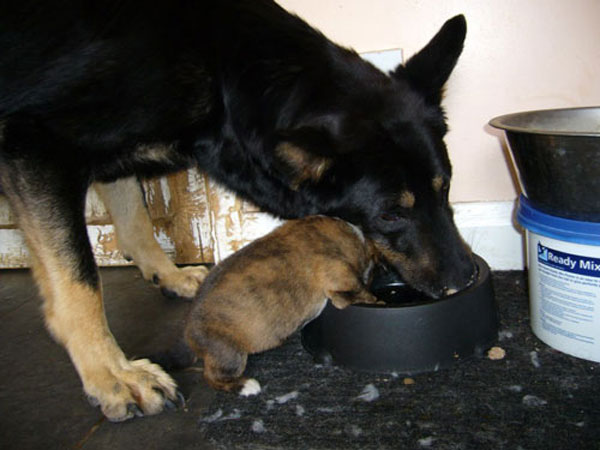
x: 259, y: 296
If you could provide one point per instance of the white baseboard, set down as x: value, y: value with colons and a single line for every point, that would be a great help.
x: 491, y: 231
x: 488, y: 227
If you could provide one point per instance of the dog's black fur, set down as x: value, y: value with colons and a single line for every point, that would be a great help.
x: 224, y: 83
x: 242, y: 89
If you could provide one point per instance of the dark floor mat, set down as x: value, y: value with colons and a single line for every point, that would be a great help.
x: 534, y: 398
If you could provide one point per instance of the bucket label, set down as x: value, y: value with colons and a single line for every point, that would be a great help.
x: 569, y: 285
x: 581, y: 265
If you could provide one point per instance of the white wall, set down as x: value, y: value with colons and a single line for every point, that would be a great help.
x: 519, y: 55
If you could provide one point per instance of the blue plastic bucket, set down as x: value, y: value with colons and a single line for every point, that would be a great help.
x: 563, y: 257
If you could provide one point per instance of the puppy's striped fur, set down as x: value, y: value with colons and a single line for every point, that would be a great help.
x: 259, y: 296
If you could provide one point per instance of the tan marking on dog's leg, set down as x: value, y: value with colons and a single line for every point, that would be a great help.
x: 47, y: 198
x: 135, y: 236
x: 75, y: 316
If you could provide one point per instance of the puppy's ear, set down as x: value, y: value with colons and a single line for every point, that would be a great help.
x: 429, y: 69
x: 304, y: 155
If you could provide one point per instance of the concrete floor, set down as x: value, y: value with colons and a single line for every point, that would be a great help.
x: 42, y: 405
x: 535, y: 398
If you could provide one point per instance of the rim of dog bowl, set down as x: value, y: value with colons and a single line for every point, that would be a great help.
x: 421, y: 298
x: 554, y: 122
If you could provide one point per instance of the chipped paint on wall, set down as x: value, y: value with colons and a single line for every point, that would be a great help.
x: 164, y: 240
x: 95, y: 212
x: 234, y: 224
x: 166, y: 193
x: 13, y: 251
x: 104, y: 245
x: 6, y: 218
x: 195, y: 220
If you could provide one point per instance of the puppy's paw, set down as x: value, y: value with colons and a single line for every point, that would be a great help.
x: 133, y: 389
x: 369, y: 299
x: 250, y: 387
x: 182, y: 282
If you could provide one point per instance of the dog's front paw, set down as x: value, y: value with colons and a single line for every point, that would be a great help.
x: 135, y: 389
x: 181, y: 282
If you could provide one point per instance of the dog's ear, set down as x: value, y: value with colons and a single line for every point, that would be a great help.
x: 304, y: 155
x: 429, y: 69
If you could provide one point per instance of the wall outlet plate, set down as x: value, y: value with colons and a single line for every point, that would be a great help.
x: 385, y: 60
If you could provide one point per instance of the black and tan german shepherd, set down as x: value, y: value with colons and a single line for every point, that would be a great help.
x: 106, y: 91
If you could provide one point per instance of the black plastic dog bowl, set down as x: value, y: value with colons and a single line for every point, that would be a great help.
x: 557, y: 155
x: 410, y: 333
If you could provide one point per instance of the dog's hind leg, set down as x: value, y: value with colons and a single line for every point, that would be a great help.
x: 124, y: 201
x: 47, y: 195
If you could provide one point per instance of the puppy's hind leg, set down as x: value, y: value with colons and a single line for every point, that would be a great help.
x: 224, y: 371
x: 124, y: 201
x: 223, y: 364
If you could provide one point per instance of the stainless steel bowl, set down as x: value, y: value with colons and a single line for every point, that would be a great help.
x: 557, y: 155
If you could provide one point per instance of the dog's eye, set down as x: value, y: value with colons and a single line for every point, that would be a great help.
x: 390, y: 217
x: 392, y: 222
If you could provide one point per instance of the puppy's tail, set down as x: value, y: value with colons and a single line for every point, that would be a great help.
x: 179, y: 356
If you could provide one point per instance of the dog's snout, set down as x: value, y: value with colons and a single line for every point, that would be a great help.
x: 470, y: 278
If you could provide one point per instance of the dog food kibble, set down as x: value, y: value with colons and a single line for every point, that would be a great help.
x: 496, y: 353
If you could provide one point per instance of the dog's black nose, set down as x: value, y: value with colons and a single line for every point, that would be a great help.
x: 469, y: 277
